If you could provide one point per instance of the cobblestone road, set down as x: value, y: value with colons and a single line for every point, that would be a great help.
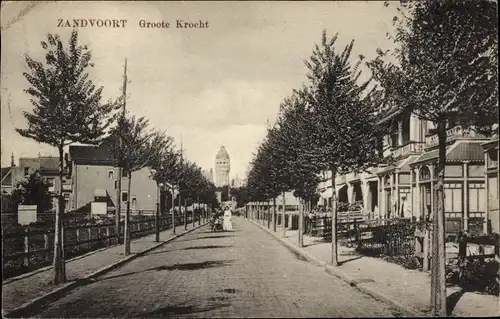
x: 245, y: 273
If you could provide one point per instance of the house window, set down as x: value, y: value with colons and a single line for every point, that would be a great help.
x: 453, y: 199
x: 26, y: 171
x: 124, y: 196
x: 111, y: 174
x: 134, y: 202
x: 477, y: 198
x: 124, y: 174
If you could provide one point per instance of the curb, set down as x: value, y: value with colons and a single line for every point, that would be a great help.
x: 39, y: 270
x: 334, y: 271
x: 24, y: 310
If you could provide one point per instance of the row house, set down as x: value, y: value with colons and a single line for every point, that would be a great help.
x: 403, y: 187
x: 492, y: 183
x: 94, y: 179
x: 47, y: 166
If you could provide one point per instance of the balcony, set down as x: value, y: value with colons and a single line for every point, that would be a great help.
x: 452, y: 134
x: 410, y: 148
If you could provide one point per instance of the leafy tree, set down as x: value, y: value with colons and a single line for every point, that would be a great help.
x: 344, y: 133
x: 267, y: 177
x: 163, y: 165
x: 33, y: 191
x: 447, y: 60
x: 132, y: 150
x: 67, y: 108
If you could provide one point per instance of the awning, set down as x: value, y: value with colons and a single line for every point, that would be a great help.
x: 339, y: 187
x: 328, y: 193
x: 99, y: 192
x: 460, y: 152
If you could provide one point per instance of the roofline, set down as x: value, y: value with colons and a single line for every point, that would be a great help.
x: 81, y: 161
x: 489, y: 143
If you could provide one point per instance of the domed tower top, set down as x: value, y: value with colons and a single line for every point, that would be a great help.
x: 222, y: 154
x: 222, y: 167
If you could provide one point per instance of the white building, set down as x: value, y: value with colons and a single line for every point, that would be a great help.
x: 222, y: 168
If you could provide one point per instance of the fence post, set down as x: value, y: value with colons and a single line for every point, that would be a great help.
x: 27, y: 247
x: 89, y: 231
x: 98, y: 236
x: 46, y: 245
x: 78, y: 239
x: 108, y: 241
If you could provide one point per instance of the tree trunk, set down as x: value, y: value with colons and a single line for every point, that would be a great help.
x: 58, y: 263
x: 301, y: 225
x: 185, y: 216
x: 335, y: 261
x: 268, y: 213
x: 441, y: 250
x: 127, y: 216
x: 284, y: 217
x: 118, y: 205
x: 173, y: 211
x: 157, y: 214
x: 274, y: 214
x: 194, y: 219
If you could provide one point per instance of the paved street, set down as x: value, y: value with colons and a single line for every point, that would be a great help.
x: 245, y: 273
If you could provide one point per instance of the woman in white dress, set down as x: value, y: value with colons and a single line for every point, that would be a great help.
x: 227, y: 224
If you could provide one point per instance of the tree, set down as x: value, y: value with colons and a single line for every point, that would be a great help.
x: 447, y: 62
x: 294, y: 145
x: 131, y: 150
x: 191, y: 182
x: 267, y: 177
x: 33, y: 191
x: 163, y: 165
x: 67, y: 108
x: 345, y: 131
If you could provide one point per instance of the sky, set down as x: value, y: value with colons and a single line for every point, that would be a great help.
x: 215, y: 86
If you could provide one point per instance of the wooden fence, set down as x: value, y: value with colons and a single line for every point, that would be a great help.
x: 29, y: 249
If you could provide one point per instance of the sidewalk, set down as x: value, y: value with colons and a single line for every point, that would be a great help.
x: 408, y: 287
x: 18, y: 292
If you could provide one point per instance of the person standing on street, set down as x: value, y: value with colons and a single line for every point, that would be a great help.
x: 227, y: 225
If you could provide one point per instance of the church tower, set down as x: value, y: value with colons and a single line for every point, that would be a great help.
x: 222, y: 167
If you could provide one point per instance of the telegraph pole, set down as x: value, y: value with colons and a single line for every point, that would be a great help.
x: 180, y: 196
x: 119, y: 177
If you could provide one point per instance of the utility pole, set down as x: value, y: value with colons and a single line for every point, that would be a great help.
x: 284, y: 216
x: 180, y: 191
x: 119, y: 177
x: 173, y: 209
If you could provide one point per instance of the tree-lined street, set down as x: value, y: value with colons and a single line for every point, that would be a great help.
x: 244, y: 273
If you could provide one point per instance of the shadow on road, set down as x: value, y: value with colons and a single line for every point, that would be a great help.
x: 187, y: 266
x: 452, y: 300
x: 212, y: 232
x: 206, y: 237
x: 350, y: 259
x: 200, y: 265
x: 207, y: 247
x: 163, y: 251
x: 173, y: 310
